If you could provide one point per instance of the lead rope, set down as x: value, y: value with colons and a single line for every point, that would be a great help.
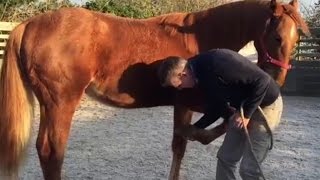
x: 249, y: 140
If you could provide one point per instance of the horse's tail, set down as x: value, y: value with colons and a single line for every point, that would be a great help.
x: 16, y: 106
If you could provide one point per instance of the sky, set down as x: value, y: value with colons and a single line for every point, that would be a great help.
x: 308, y: 2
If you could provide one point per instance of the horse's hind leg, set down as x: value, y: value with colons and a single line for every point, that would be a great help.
x: 182, y: 117
x: 53, y: 134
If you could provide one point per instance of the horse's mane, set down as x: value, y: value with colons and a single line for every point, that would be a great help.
x: 287, y: 9
x: 292, y: 12
x: 174, y: 20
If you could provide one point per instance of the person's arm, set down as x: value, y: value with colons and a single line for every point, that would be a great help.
x: 259, y: 88
x: 254, y: 81
x: 217, y: 105
x: 258, y: 92
x: 206, y: 120
x: 213, y: 113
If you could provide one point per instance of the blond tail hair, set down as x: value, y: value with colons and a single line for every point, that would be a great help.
x: 16, y: 107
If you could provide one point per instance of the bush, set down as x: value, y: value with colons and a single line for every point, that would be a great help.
x: 148, y: 8
x: 118, y: 7
x: 20, y: 10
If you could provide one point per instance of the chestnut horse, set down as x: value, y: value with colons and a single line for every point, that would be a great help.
x: 58, y: 56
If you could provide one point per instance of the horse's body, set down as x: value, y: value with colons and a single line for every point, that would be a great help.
x: 63, y: 54
x: 102, y: 45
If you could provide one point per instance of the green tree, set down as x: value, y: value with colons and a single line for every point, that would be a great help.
x: 314, y: 17
x: 313, y: 20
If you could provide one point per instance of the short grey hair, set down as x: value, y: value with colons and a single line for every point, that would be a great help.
x: 167, y: 68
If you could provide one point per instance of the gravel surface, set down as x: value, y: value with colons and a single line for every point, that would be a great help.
x: 119, y: 144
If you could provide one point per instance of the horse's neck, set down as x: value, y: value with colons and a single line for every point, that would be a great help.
x: 229, y: 27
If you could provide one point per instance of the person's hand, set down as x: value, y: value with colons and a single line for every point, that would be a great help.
x: 232, y: 109
x: 238, y: 122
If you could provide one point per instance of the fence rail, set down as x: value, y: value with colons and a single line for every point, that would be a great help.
x: 5, y: 28
x: 309, y: 47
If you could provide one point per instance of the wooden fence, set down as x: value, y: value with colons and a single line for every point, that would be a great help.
x: 304, y: 78
x: 308, y: 48
x: 5, y: 28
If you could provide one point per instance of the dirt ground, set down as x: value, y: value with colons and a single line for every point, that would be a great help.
x: 119, y: 144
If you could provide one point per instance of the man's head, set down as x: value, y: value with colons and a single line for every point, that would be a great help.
x: 174, y: 72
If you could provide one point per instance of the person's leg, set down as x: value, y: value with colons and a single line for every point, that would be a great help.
x: 230, y: 153
x: 260, y: 138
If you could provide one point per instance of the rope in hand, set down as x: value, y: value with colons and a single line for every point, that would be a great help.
x: 249, y: 140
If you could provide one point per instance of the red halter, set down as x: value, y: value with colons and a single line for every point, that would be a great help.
x: 267, y: 58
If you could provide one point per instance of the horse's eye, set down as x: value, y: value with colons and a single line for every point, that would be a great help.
x: 278, y: 39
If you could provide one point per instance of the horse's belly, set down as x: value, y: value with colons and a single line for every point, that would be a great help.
x: 130, y: 97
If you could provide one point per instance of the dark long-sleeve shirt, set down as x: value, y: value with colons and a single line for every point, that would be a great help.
x: 227, y: 77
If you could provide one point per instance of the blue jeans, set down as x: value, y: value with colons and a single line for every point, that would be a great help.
x: 235, y: 146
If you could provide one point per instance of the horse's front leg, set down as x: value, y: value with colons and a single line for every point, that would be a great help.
x: 204, y: 136
x: 182, y: 117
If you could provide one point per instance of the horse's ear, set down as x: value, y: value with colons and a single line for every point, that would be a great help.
x: 295, y: 4
x: 273, y: 4
x: 276, y: 8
